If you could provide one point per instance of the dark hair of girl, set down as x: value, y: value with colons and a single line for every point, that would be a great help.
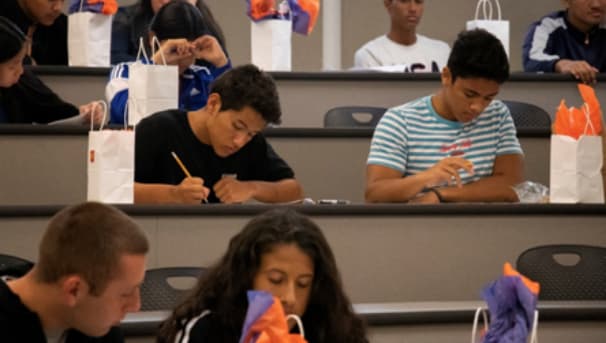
x: 11, y: 39
x: 329, y: 316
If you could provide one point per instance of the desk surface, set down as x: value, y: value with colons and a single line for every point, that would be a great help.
x: 49, y: 162
x: 407, y: 252
x: 305, y: 97
x: 409, y: 313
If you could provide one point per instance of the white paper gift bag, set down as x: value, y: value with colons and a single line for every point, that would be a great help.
x: 111, y: 166
x: 576, y: 170
x: 151, y: 87
x: 89, y: 39
x: 271, y: 44
x: 498, y: 27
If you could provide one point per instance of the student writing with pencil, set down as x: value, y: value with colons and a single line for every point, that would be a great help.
x: 220, y: 153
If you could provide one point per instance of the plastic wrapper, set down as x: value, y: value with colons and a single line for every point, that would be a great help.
x: 532, y: 192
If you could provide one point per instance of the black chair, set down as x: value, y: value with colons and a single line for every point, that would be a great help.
x: 528, y: 116
x: 353, y: 116
x: 13, y: 266
x: 566, y: 272
x: 158, y: 294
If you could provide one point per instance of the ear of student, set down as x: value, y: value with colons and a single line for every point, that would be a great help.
x: 213, y: 104
x: 446, y: 76
x: 73, y: 288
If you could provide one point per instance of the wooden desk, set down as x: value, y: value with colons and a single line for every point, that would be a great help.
x: 306, y: 96
x: 385, y: 253
x: 47, y: 165
x: 422, y: 322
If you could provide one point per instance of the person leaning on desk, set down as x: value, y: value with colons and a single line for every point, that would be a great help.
x: 26, y: 99
x: 458, y: 145
x: 220, y: 145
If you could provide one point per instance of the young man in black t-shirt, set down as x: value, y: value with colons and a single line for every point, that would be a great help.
x: 220, y: 147
x: 90, y: 266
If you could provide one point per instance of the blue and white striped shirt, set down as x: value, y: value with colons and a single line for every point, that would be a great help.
x: 412, y: 138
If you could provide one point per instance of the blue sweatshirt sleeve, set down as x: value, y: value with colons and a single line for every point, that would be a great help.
x: 533, y: 64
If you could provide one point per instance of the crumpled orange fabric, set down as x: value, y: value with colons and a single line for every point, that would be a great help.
x: 586, y: 120
x: 272, y: 327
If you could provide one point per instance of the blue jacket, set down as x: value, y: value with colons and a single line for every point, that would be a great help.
x: 553, y: 38
x: 194, y: 88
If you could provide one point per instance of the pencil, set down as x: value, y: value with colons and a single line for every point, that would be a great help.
x: 180, y: 164
x: 184, y: 169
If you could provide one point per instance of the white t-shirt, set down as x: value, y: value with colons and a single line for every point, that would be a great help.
x: 425, y: 55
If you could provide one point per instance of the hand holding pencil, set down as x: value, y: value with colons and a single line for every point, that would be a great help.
x: 191, y: 190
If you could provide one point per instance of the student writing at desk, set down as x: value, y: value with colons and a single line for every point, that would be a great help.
x: 220, y: 145
x: 458, y: 145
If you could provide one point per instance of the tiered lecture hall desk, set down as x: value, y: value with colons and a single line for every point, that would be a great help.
x: 415, y: 272
x: 386, y: 254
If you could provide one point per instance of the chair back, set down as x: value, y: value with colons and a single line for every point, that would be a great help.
x: 528, y: 116
x: 13, y: 266
x: 157, y: 290
x: 354, y: 116
x: 566, y: 272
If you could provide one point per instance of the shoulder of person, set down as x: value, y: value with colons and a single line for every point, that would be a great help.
x: 163, y: 120
x: 432, y: 41
x: 377, y: 41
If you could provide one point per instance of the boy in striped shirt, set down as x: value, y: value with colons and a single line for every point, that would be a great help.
x: 458, y: 145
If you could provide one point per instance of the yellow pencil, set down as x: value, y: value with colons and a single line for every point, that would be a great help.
x: 180, y: 164
x: 183, y: 168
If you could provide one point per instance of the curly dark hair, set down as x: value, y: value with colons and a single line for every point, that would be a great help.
x: 329, y: 316
x: 478, y: 54
x: 247, y: 85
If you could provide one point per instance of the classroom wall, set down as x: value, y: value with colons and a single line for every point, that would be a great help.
x: 363, y: 20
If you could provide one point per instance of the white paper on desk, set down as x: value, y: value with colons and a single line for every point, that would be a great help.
x: 575, y: 171
x: 271, y: 44
x: 89, y: 39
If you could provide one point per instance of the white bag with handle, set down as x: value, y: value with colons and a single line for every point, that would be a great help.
x: 89, y: 39
x: 151, y: 87
x: 497, y: 26
x: 532, y: 336
x: 111, y: 164
x: 575, y: 169
x: 271, y: 44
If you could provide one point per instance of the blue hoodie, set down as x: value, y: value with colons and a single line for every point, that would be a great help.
x: 553, y: 38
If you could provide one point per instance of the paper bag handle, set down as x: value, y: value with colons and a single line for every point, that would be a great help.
x: 155, y: 42
x: 104, y: 105
x: 535, y: 327
x: 476, y: 318
x: 588, y: 123
x: 485, y: 4
x: 81, y: 5
x: 299, y: 323
x: 141, y: 50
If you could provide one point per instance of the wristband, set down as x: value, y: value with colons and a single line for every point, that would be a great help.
x: 437, y: 193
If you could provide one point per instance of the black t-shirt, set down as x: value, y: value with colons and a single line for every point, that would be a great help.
x: 163, y: 132
x: 49, y: 44
x: 19, y: 324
